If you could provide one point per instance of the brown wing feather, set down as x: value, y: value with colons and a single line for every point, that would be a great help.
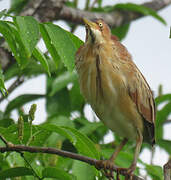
x: 142, y: 96
x: 138, y: 89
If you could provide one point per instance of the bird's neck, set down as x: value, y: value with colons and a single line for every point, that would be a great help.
x: 96, y: 48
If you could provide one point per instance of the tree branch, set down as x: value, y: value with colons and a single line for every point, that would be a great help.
x: 167, y: 170
x: 167, y: 121
x: 91, y: 161
x: 58, y: 10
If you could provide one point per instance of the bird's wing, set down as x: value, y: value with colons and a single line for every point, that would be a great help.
x: 138, y: 90
x: 141, y: 95
x: 137, y: 86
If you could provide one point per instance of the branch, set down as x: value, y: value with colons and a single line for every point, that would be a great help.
x: 167, y: 121
x: 91, y: 161
x: 58, y: 10
x: 167, y: 170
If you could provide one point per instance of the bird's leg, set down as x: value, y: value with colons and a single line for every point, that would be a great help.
x: 132, y: 167
x: 118, y: 149
x: 107, y: 165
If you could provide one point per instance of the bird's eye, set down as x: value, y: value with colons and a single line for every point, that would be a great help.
x: 100, y: 25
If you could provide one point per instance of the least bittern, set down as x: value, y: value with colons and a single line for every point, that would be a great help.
x: 115, y: 88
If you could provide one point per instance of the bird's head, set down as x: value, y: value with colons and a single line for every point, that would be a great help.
x: 97, y: 31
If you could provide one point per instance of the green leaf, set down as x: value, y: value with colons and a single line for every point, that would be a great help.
x: 83, y: 144
x: 7, y: 31
x: 3, y: 12
x: 155, y: 172
x: 42, y: 59
x: 77, y: 100
x: 140, y: 9
x: 59, y: 104
x: 60, y: 121
x: 63, y: 44
x: 20, y: 54
x: 21, y: 100
x: 170, y: 33
x: 6, y: 122
x: 16, y: 6
x: 2, y: 85
x: 62, y: 81
x: 89, y: 128
x: 77, y: 42
x: 29, y: 32
x: 83, y: 171
x: 121, y: 31
x: 49, y: 45
x: 56, y: 173
x: 15, y: 172
x: 165, y: 144
x: 162, y: 116
x: 99, y: 3
x: 163, y: 98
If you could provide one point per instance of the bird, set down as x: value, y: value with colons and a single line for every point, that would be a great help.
x: 115, y: 88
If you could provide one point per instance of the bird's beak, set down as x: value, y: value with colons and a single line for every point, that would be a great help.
x: 89, y: 23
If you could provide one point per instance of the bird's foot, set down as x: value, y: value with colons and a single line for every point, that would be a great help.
x: 127, y: 171
x: 108, y: 167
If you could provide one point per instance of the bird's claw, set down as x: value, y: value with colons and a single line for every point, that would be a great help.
x: 107, y: 166
x: 128, y: 171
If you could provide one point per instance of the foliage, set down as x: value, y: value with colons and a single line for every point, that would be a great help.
x: 61, y: 130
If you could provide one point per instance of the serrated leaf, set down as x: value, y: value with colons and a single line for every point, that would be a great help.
x: 77, y: 42
x: 15, y: 172
x: 8, y: 34
x: 29, y: 32
x: 56, y: 173
x: 49, y: 45
x: 62, y: 80
x: 63, y: 44
x: 83, y: 144
x: 41, y: 58
x: 140, y: 9
x: 21, y: 100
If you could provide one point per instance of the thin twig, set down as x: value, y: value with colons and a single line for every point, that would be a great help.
x: 4, y: 140
x: 34, y: 172
x: 56, y: 10
x: 167, y: 170
x: 91, y: 161
x: 167, y: 121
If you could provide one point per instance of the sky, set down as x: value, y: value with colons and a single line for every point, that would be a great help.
x: 149, y: 44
